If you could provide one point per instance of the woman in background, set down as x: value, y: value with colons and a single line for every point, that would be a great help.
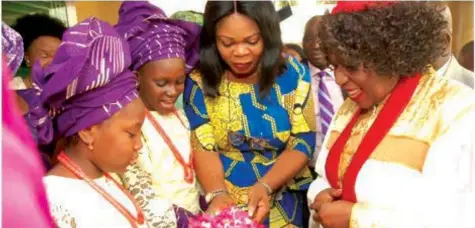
x: 41, y: 38
x: 23, y: 193
x: 88, y: 96
x: 404, y: 141
x: 163, y: 51
x: 251, y: 115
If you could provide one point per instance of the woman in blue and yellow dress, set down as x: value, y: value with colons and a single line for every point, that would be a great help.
x: 251, y: 115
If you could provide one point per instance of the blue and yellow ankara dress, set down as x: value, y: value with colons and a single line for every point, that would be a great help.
x: 250, y: 132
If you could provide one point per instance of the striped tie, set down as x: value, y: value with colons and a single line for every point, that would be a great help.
x: 325, y: 102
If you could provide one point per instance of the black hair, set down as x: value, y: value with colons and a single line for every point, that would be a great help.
x: 212, y: 66
x: 30, y: 27
x: 467, y: 48
x: 297, y: 49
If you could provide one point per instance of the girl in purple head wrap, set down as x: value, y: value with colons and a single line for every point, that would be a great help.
x: 88, y: 96
x: 163, y: 52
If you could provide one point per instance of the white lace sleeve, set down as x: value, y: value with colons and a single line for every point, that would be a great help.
x: 62, y: 217
x: 159, y: 212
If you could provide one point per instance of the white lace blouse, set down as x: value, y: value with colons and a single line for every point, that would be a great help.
x: 73, y: 203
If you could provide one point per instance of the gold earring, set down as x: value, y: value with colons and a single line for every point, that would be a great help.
x: 27, y: 62
x: 137, y: 75
x: 90, y: 146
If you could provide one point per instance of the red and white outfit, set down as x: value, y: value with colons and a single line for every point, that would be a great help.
x: 421, y: 173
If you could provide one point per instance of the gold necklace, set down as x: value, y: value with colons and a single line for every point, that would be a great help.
x: 361, y: 128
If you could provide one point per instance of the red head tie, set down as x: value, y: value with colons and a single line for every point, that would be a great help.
x: 356, y: 6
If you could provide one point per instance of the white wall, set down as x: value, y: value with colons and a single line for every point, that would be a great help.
x: 172, y: 6
x: 292, y: 28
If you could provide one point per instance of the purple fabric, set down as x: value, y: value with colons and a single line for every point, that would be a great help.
x: 326, y: 107
x: 12, y: 47
x: 153, y: 36
x: 86, y: 83
x: 182, y: 217
x: 203, y: 204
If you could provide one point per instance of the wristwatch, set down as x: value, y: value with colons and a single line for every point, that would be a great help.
x: 210, y: 196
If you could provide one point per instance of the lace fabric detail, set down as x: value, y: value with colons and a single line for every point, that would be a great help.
x: 62, y: 217
x: 158, y: 212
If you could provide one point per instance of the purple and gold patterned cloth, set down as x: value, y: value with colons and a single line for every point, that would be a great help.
x: 153, y: 36
x: 12, y: 47
x: 87, y: 82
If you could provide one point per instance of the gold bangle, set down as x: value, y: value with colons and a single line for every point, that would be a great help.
x: 211, y: 195
x: 268, y: 188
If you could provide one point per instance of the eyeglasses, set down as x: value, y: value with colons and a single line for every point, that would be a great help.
x: 237, y: 139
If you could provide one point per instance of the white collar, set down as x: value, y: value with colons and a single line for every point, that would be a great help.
x: 443, y: 70
x: 315, y: 70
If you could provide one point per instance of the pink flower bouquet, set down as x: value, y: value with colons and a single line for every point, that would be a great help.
x: 229, y: 218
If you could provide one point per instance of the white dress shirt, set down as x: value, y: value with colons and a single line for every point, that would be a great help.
x: 441, y: 72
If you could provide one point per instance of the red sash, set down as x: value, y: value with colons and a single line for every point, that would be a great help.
x: 395, y: 105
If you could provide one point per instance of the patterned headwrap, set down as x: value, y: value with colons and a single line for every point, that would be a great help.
x: 86, y: 83
x: 153, y: 36
x: 12, y: 47
x: 356, y: 6
x: 189, y: 15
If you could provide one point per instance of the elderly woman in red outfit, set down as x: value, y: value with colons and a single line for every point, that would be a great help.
x: 405, y: 138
